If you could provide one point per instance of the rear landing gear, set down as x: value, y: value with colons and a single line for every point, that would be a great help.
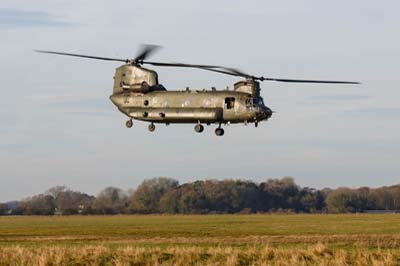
x: 199, y: 128
x: 219, y: 131
x: 129, y: 123
x: 152, y: 127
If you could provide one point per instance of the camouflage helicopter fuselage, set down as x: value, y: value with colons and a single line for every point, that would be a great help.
x: 138, y: 94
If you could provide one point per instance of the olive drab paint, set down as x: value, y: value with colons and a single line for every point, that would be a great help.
x: 133, y: 78
x: 138, y: 95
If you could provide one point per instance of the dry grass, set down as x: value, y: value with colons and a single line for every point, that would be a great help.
x: 201, y: 240
x: 333, y: 241
x: 318, y: 254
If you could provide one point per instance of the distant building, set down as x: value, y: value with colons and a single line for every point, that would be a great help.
x: 57, y: 211
x: 12, y: 205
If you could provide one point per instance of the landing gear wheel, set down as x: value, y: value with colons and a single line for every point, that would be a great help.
x: 152, y: 127
x: 219, y: 131
x: 199, y: 128
x: 129, y: 123
x: 256, y: 124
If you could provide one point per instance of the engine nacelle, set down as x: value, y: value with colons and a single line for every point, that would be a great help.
x: 134, y: 78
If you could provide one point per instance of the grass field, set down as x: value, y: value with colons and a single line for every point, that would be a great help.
x: 201, y: 240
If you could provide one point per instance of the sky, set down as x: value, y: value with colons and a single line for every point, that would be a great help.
x: 58, y: 126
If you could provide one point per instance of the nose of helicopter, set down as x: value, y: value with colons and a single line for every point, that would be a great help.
x: 264, y: 113
x: 268, y: 112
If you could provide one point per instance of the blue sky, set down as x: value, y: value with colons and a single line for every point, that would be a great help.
x: 59, y: 127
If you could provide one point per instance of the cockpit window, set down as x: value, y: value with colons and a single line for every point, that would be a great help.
x: 249, y: 102
x: 254, y: 101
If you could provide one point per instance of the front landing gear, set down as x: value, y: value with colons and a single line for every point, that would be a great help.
x: 129, y: 123
x: 152, y: 127
x: 199, y: 128
x: 219, y: 131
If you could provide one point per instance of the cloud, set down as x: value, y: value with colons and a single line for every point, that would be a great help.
x: 72, y: 100
x: 376, y: 111
x: 8, y: 119
x: 77, y: 104
x: 90, y: 112
x: 336, y: 98
x: 26, y: 19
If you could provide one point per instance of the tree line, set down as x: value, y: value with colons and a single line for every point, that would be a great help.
x: 166, y: 195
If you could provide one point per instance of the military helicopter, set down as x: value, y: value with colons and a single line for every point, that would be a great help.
x: 138, y: 94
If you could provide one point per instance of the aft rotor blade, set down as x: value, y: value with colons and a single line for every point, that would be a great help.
x: 84, y: 56
x: 307, y: 81
x: 219, y: 71
x: 146, y: 50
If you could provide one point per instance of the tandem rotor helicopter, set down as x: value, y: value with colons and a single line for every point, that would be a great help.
x: 138, y: 94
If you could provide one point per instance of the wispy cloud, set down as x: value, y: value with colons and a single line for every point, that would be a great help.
x: 22, y: 18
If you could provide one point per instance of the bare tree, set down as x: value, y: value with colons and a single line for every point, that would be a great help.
x: 146, y: 198
x: 110, y: 201
x: 3, y: 209
x: 70, y: 202
x: 39, y: 205
x: 55, y: 191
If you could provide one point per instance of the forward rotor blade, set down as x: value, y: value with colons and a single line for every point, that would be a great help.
x: 84, y: 56
x: 219, y: 69
x: 308, y: 81
x: 145, y: 52
x: 239, y: 73
x: 178, y: 65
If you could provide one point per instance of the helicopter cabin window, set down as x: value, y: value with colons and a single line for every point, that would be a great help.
x: 229, y: 102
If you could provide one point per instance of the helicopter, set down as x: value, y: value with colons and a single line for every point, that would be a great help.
x: 138, y: 94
